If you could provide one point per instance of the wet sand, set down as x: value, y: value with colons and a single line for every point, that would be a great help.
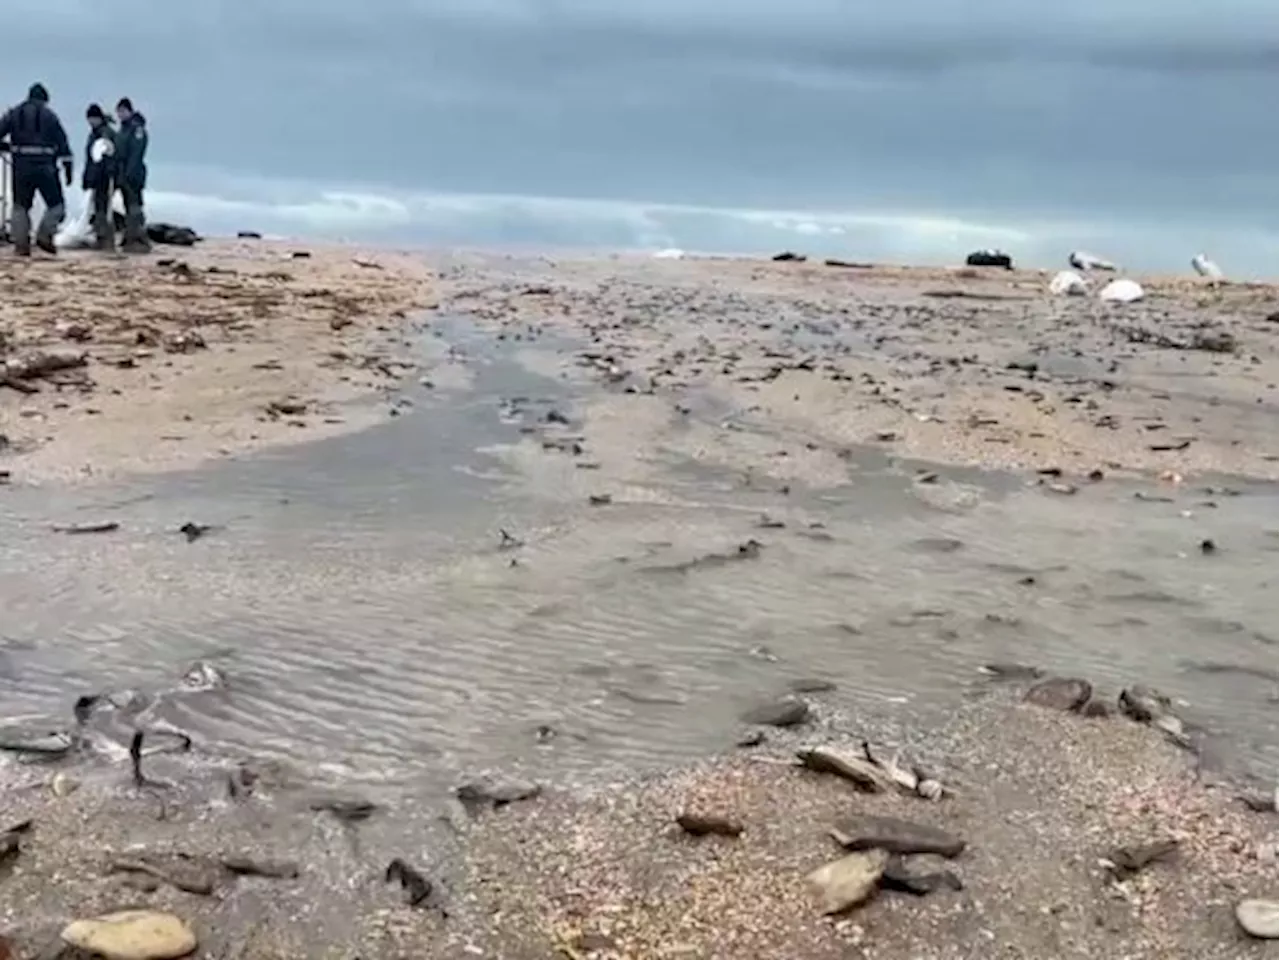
x: 551, y: 552
x: 195, y: 354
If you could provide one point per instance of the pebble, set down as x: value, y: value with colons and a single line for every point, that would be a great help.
x: 132, y: 935
x: 1259, y: 918
x: 1060, y: 693
x: 495, y: 791
x: 785, y: 712
x: 849, y: 881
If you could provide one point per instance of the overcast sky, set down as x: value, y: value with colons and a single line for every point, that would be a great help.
x: 916, y: 124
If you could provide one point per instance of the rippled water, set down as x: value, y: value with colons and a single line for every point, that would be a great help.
x: 372, y: 624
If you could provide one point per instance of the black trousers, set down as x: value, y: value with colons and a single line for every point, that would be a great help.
x: 29, y: 179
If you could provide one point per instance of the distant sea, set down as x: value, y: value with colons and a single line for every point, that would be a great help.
x: 220, y: 206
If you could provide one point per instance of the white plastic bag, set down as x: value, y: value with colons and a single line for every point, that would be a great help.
x: 1068, y: 283
x: 77, y: 232
x: 1088, y: 261
x: 1121, y: 291
x: 1206, y: 267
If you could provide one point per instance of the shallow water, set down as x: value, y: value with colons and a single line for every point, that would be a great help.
x: 373, y: 625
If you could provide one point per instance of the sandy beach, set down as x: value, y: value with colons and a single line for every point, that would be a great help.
x: 586, y: 545
x: 196, y: 354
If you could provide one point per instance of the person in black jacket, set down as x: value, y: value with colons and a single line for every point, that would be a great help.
x: 99, y: 174
x: 131, y: 174
x: 38, y: 143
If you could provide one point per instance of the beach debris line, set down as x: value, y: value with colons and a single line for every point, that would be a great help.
x: 104, y: 526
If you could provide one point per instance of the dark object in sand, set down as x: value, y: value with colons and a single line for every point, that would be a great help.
x: 349, y: 809
x: 1128, y: 860
x: 1208, y: 546
x: 46, y: 746
x: 811, y: 685
x: 250, y: 867
x: 784, y: 712
x: 1144, y: 704
x: 415, y: 885
x: 11, y: 840
x: 195, y: 875
x: 898, y: 876
x: 194, y: 531
x: 172, y: 235
x: 701, y: 825
x: 1259, y: 802
x: 493, y: 791
x: 1011, y: 671
x: 140, y: 778
x: 1060, y: 693
x: 847, y: 264
x: 249, y: 235
x: 106, y: 526
x: 871, y: 832
x: 989, y: 258
x: 787, y: 256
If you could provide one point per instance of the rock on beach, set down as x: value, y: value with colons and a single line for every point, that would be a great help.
x: 132, y: 935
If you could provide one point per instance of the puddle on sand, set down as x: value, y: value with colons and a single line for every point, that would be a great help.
x: 371, y: 621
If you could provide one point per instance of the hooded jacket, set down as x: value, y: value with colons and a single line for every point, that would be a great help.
x: 35, y: 134
x: 131, y: 152
x: 98, y: 174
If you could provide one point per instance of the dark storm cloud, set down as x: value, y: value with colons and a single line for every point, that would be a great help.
x: 1141, y: 109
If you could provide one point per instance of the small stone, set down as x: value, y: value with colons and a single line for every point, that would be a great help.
x: 849, y: 881
x: 1259, y: 918
x: 700, y: 825
x: 897, y: 876
x: 1128, y: 860
x: 495, y: 791
x: 811, y: 685
x: 785, y: 712
x: 1097, y: 709
x: 1060, y: 693
x: 132, y: 935
x: 751, y: 738
x: 869, y: 831
x: 1144, y: 704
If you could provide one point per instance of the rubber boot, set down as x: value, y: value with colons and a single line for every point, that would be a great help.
x: 21, y: 224
x: 135, y: 233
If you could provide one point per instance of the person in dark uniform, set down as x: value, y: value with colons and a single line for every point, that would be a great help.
x: 131, y: 174
x: 99, y: 174
x: 39, y: 145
